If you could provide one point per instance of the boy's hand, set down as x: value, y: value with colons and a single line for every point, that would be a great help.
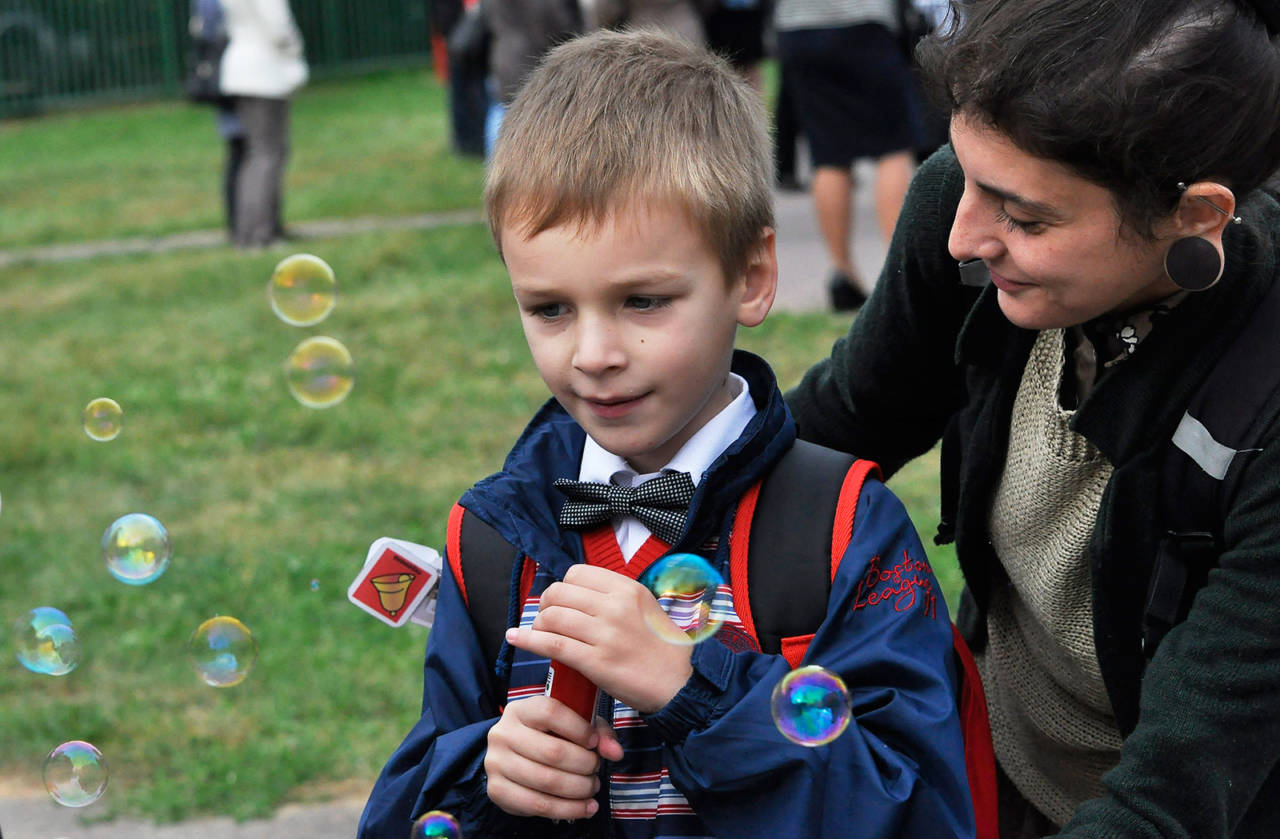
x: 594, y: 621
x: 542, y: 760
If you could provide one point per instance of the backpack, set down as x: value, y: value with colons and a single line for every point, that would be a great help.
x: 1218, y: 435
x: 208, y: 42
x: 804, y: 510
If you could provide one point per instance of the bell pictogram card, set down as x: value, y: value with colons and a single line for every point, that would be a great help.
x: 396, y: 579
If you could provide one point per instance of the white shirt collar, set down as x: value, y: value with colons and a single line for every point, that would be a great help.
x: 694, y: 457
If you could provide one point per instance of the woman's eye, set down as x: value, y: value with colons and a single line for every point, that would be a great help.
x: 1018, y: 225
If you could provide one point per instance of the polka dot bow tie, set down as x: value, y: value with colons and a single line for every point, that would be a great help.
x: 661, y: 504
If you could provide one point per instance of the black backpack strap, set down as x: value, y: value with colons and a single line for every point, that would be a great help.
x: 489, y: 564
x: 789, y: 555
x: 1218, y: 435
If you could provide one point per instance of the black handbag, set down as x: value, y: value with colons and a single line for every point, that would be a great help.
x: 913, y: 26
x: 469, y: 41
x: 204, y: 68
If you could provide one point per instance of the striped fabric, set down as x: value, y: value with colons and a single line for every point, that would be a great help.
x: 644, y: 803
x: 828, y: 14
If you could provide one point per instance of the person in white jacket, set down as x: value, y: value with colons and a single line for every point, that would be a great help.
x: 261, y: 68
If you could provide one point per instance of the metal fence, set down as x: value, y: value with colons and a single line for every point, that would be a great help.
x: 57, y: 53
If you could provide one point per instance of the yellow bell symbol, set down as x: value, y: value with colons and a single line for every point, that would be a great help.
x: 392, y: 589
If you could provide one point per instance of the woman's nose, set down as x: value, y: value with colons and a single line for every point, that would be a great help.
x: 973, y: 235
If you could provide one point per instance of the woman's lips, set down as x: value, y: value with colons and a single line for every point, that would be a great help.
x: 1006, y: 284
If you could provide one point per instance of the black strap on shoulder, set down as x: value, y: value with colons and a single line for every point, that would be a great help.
x: 789, y: 558
x: 487, y: 562
x: 1216, y: 438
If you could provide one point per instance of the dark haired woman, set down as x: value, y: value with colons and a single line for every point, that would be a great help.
x: 1101, y: 154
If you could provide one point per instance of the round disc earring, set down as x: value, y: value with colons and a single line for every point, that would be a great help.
x: 1193, y: 263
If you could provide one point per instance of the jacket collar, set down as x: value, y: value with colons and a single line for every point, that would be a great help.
x: 521, y: 504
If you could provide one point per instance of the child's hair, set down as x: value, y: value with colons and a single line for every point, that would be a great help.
x: 613, y: 118
x: 1134, y: 95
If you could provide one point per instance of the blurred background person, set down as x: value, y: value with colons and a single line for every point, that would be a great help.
x: 735, y: 29
x: 209, y: 41
x: 520, y: 32
x: 262, y: 67
x: 461, y: 55
x: 683, y: 17
x: 849, y: 79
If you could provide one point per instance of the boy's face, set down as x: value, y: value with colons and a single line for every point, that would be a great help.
x: 631, y: 324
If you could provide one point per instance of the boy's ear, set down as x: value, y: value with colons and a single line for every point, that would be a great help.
x: 759, y: 280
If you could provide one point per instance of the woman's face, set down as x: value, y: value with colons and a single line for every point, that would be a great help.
x: 1051, y: 239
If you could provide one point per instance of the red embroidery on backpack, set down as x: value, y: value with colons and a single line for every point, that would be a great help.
x: 904, y: 585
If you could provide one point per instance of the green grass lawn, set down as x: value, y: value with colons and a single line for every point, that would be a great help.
x: 261, y: 496
x: 371, y: 146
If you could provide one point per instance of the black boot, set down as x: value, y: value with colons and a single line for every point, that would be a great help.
x: 845, y: 296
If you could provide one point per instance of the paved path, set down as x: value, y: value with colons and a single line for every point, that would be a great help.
x: 28, y: 817
x: 803, y: 269
x: 803, y: 266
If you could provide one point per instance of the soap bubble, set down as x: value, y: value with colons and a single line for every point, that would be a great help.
x: 686, y: 587
x: 75, y: 774
x: 103, y: 419
x: 46, y: 642
x: 320, y: 372
x: 811, y: 706
x: 136, y: 549
x: 436, y: 824
x: 315, y: 585
x: 223, y: 651
x: 302, y: 290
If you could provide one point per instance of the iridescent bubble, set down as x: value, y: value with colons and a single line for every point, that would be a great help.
x: 811, y: 706
x: 302, y: 290
x: 75, y: 774
x: 103, y: 419
x: 436, y: 824
x: 223, y: 651
x: 320, y: 372
x: 686, y: 586
x: 136, y: 549
x: 46, y: 642
x: 315, y: 585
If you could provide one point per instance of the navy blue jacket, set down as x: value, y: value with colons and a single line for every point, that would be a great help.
x: 897, y: 771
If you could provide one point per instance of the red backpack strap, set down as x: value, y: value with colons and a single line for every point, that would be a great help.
x: 739, y: 549
x: 979, y: 754
x: 847, y: 508
x: 453, y: 548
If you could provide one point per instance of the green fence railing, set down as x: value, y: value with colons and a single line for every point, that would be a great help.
x: 57, y: 53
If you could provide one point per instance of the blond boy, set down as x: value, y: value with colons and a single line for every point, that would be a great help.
x: 630, y: 198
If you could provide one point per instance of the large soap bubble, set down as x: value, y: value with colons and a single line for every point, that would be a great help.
x: 223, y: 651
x: 75, y: 774
x: 320, y: 372
x: 136, y: 549
x: 103, y: 418
x: 436, y: 824
x: 46, y: 642
x: 685, y: 586
x: 811, y: 706
x: 302, y: 290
